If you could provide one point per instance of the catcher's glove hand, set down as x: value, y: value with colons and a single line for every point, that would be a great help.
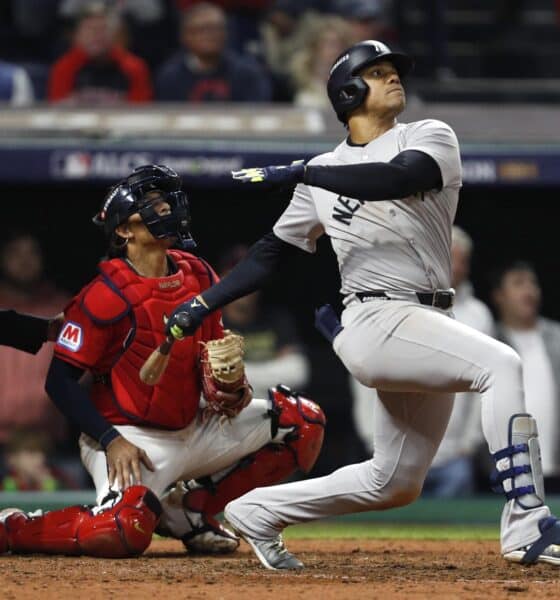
x: 224, y: 383
x: 277, y: 175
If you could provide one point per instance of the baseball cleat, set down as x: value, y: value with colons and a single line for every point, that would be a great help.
x: 545, y: 550
x: 203, y: 534
x: 208, y: 536
x: 272, y: 552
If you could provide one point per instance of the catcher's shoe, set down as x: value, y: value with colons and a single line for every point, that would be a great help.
x: 208, y: 536
x: 545, y: 550
x: 205, y: 535
x: 272, y: 552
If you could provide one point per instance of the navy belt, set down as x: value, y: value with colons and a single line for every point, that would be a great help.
x: 440, y: 298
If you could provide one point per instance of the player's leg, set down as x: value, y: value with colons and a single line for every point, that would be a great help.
x: 408, y: 428
x: 396, y: 345
x: 362, y: 411
x: 166, y: 450
x: 121, y: 527
x: 264, y: 444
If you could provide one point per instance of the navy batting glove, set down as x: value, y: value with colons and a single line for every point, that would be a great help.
x: 186, y: 318
x: 277, y: 175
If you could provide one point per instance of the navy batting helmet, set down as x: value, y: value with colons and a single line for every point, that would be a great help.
x: 128, y: 197
x: 346, y: 89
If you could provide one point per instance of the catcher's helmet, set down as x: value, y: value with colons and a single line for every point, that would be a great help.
x: 346, y: 89
x: 128, y: 197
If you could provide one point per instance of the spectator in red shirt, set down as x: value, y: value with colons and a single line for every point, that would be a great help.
x: 97, y: 69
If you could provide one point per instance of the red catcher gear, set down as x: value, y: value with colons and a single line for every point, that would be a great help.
x: 272, y: 463
x: 3, y: 539
x: 120, y: 531
x: 173, y: 403
x: 308, y: 421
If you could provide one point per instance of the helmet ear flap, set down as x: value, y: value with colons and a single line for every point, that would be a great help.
x: 351, y: 95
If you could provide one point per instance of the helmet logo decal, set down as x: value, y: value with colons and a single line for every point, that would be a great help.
x: 108, y: 201
x: 339, y: 62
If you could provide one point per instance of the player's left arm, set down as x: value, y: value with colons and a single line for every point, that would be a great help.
x: 429, y: 161
x: 410, y: 172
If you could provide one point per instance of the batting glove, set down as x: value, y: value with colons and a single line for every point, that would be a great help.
x: 186, y: 318
x: 277, y: 175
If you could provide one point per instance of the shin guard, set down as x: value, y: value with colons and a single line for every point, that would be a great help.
x: 306, y: 421
x: 268, y: 465
x: 518, y: 471
x: 120, y: 528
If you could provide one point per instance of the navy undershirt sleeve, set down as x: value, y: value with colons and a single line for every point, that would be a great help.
x: 410, y: 172
x: 260, y: 264
x: 74, y: 402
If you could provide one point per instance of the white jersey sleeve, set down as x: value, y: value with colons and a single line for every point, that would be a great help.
x: 299, y: 224
x: 438, y: 140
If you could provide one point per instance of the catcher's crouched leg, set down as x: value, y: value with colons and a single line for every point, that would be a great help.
x: 303, y: 422
x: 297, y: 433
x: 120, y: 528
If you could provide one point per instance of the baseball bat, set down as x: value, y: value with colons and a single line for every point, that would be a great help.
x: 155, y: 365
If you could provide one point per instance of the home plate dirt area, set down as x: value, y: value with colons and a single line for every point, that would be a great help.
x: 334, y: 569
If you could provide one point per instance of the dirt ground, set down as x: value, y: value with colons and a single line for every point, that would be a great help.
x: 334, y: 569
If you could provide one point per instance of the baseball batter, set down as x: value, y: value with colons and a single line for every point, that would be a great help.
x: 139, y: 440
x: 386, y: 197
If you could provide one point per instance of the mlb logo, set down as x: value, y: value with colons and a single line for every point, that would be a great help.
x: 71, y: 336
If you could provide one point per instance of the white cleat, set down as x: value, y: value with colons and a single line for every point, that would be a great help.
x: 545, y: 550
x: 271, y: 552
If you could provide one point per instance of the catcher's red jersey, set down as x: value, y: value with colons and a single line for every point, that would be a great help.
x: 114, y: 324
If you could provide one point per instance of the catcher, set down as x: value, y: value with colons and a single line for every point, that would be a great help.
x: 138, y: 440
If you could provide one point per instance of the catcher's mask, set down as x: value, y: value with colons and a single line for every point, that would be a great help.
x: 129, y: 196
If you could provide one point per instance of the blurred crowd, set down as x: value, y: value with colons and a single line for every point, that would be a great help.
x: 84, y: 52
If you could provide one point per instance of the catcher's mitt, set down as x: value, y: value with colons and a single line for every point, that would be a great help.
x: 224, y: 383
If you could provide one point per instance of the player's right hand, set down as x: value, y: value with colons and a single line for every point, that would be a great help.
x: 123, y: 463
x: 186, y: 318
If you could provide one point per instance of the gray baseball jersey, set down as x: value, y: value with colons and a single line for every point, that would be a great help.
x: 401, y: 244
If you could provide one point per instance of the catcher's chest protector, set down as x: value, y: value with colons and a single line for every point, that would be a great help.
x: 173, y: 402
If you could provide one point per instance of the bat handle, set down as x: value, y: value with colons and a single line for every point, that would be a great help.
x: 165, y: 347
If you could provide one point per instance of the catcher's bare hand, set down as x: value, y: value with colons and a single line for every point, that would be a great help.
x: 123, y: 462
